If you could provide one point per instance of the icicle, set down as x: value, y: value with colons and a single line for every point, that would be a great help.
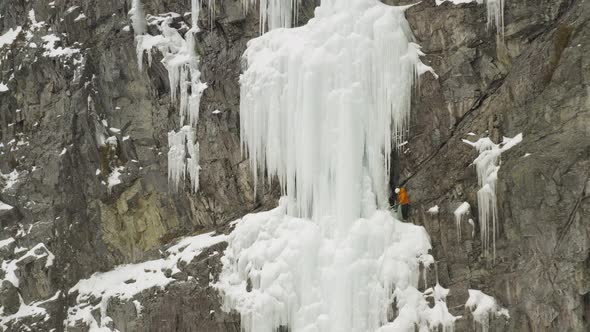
x: 487, y: 165
x: 211, y: 5
x: 139, y: 29
x: 495, y: 10
x: 472, y: 223
x: 176, y: 157
x: 461, y: 211
x: 195, y: 11
x: 183, y: 157
x: 138, y: 18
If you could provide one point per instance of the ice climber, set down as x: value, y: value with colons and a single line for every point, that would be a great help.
x: 404, y: 200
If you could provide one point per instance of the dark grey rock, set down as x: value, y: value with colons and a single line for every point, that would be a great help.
x: 9, y: 298
x: 533, y: 81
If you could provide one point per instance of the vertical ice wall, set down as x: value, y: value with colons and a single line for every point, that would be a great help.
x: 321, y: 107
x: 182, y: 63
x: 322, y: 104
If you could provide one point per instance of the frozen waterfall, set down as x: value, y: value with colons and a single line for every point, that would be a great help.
x: 321, y: 107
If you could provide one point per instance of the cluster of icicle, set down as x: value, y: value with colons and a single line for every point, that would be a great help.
x: 321, y: 107
x: 488, y: 165
x: 182, y: 62
x: 274, y: 14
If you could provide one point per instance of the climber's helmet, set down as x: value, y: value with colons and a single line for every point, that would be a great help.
x: 397, y: 190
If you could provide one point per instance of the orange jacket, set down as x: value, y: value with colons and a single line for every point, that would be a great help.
x: 403, y: 197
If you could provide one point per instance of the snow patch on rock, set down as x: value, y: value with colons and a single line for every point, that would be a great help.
x: 9, y: 36
x: 483, y: 308
x: 126, y: 281
x: 433, y: 210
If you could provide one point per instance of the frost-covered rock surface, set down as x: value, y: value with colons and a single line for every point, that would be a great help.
x: 84, y: 162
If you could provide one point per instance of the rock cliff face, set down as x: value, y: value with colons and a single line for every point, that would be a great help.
x: 71, y: 77
x: 533, y: 82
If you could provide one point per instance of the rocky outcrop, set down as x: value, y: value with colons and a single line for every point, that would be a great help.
x: 55, y: 168
x: 533, y: 80
x: 72, y: 78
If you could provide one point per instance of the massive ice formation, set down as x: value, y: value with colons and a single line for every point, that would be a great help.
x: 322, y: 104
x: 314, y: 276
x: 321, y: 107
